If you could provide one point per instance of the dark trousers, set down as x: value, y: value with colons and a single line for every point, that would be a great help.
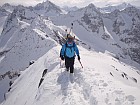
x: 69, y: 63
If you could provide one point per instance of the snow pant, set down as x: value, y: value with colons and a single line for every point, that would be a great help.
x: 69, y: 63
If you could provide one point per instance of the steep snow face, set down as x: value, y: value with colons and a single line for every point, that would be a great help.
x: 47, y: 9
x: 13, y: 25
x: 30, y: 46
x: 103, y: 80
x: 25, y: 45
x: 25, y: 30
x: 25, y: 37
x: 21, y: 41
x: 125, y: 25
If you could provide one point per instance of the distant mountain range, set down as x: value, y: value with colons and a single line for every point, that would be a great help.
x: 111, y: 8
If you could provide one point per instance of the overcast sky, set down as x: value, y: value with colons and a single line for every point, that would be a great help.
x: 78, y: 3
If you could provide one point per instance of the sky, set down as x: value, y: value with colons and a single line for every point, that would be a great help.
x: 78, y: 3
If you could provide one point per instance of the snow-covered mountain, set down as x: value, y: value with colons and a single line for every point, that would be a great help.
x: 47, y: 9
x: 102, y: 32
x: 25, y: 37
x: 109, y: 50
x: 125, y: 25
x: 111, y: 8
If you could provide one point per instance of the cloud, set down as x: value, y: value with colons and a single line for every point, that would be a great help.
x: 22, y: 2
x: 78, y: 3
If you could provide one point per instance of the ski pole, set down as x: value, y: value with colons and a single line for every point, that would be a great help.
x: 81, y: 63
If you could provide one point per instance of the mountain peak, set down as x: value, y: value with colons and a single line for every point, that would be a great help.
x: 6, y: 4
x: 91, y: 5
x: 47, y: 8
x: 46, y: 4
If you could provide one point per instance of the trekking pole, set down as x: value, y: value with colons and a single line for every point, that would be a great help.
x: 80, y: 63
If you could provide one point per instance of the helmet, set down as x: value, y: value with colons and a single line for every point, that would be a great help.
x: 69, y: 36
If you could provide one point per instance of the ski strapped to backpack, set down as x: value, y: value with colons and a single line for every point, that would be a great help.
x: 66, y: 30
x: 71, y: 28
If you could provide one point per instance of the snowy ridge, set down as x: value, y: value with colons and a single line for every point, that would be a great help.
x: 101, y: 83
x: 109, y: 50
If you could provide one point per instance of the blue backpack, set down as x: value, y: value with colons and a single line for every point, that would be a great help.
x: 70, y: 47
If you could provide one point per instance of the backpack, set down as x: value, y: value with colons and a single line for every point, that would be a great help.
x: 68, y: 47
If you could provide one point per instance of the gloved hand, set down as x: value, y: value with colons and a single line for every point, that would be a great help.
x: 78, y: 57
x: 62, y: 57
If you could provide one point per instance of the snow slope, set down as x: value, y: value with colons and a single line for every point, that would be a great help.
x: 100, y: 82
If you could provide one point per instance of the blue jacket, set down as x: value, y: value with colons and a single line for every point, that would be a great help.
x: 68, y: 50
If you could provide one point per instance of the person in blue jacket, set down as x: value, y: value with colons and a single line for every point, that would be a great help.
x: 68, y: 53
